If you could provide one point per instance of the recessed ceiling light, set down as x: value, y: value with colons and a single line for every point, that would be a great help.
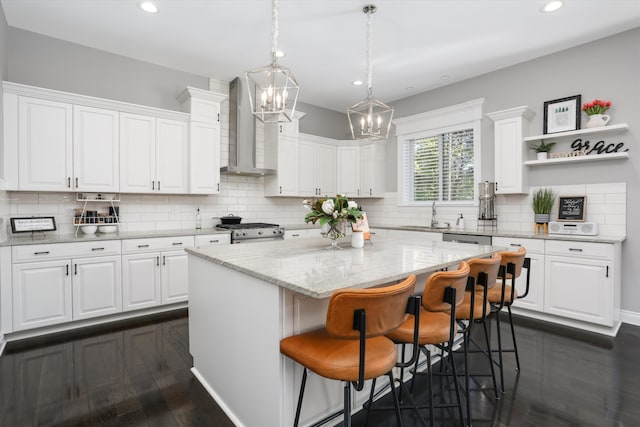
x: 552, y: 6
x: 409, y: 88
x: 444, y: 77
x: 279, y: 54
x: 357, y: 82
x: 148, y: 6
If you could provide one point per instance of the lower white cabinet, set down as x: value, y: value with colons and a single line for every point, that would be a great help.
x: 60, y: 288
x: 154, y: 271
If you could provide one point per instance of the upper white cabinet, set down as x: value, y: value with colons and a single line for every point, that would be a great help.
x: 348, y: 164
x: 317, y: 167
x: 510, y: 127
x: 153, y: 155
x: 204, y: 139
x: 281, y: 152
x: 372, y: 170
x: 95, y: 149
x: 42, y: 132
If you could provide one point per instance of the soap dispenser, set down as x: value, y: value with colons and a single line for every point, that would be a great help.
x: 198, y: 220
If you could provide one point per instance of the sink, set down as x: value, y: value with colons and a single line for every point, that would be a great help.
x: 424, y: 227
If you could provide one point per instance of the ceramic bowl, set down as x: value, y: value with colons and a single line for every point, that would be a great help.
x: 89, y: 229
x: 108, y: 228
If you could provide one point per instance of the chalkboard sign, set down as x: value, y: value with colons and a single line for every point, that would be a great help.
x: 572, y: 208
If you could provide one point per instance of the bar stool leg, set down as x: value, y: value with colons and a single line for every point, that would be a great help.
x: 300, y: 396
x: 513, y: 335
x: 396, y: 402
x: 347, y: 404
x: 500, y: 353
x: 490, y: 355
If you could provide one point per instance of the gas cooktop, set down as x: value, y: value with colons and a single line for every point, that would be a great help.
x: 246, y: 225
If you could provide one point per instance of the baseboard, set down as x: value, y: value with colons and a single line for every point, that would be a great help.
x: 630, y: 317
x: 3, y: 344
x: 228, y: 412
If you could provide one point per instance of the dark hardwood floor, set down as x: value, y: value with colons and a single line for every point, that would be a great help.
x: 138, y: 375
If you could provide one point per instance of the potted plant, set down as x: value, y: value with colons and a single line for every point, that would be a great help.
x: 595, y: 110
x: 543, y: 200
x: 542, y: 149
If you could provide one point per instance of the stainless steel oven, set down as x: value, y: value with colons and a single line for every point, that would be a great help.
x: 253, y: 232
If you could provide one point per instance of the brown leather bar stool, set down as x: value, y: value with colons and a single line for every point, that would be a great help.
x: 443, y: 292
x: 352, y: 346
x: 475, y: 308
x: 505, y: 294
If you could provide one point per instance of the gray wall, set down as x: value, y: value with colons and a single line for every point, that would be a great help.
x: 51, y: 63
x: 3, y: 45
x: 323, y: 122
x: 605, y: 69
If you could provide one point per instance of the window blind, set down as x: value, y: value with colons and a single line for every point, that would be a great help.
x: 439, y: 167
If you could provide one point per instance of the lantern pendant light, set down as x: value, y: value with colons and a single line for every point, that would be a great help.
x: 370, y: 119
x: 273, y: 91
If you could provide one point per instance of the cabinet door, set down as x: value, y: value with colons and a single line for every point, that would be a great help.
x: 41, y: 294
x: 579, y: 288
x: 348, y: 163
x: 137, y: 153
x: 97, y: 288
x: 535, y: 298
x: 172, y: 150
x: 96, y: 159
x: 326, y: 169
x: 288, y: 167
x: 307, y: 183
x: 141, y: 281
x: 175, y: 277
x: 372, y: 170
x: 45, y: 149
x: 204, y: 157
x: 508, y: 155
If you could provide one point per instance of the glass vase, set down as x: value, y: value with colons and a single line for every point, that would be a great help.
x: 335, y: 232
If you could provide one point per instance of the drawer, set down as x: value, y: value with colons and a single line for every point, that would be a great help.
x: 580, y: 249
x: 51, y: 251
x: 296, y: 234
x: 157, y: 244
x: 514, y: 243
x: 213, y: 239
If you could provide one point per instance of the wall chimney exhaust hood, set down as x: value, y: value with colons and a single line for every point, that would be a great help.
x: 242, y: 134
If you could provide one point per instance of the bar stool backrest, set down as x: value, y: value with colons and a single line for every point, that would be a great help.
x: 385, y: 309
x: 433, y: 296
x: 488, y: 266
x: 514, y: 257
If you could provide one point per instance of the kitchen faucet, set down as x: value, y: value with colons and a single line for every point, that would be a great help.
x: 434, y: 221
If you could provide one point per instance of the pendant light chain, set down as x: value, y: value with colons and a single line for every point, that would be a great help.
x: 275, y: 30
x: 369, y: 50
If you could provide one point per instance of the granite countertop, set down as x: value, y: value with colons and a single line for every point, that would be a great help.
x: 493, y: 233
x: 41, y: 238
x: 305, y: 266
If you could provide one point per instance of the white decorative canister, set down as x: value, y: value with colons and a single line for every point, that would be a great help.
x: 357, y: 239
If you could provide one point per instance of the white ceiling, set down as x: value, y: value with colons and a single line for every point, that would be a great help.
x: 415, y: 41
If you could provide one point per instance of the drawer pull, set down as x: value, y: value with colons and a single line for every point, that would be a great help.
x: 177, y: 243
x: 575, y: 249
x: 41, y: 253
x: 164, y: 260
x: 517, y: 245
x: 97, y: 249
x: 295, y: 235
x: 143, y: 246
x: 214, y: 241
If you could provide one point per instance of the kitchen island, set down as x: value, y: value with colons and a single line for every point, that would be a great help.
x: 245, y: 298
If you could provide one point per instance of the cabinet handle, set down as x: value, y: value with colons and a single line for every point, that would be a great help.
x: 67, y: 269
x: 496, y: 186
x: 158, y: 185
x: 371, y: 191
x: 177, y: 243
x: 517, y: 245
x: 214, y: 241
x: 281, y: 189
x: 153, y: 185
x: 97, y: 249
x: 218, y: 186
x: 158, y: 260
x: 280, y: 128
x: 358, y: 191
x: 75, y: 269
x: 143, y: 246
x: 76, y: 182
x: 218, y: 116
x: 575, y: 249
x: 164, y: 260
x: 41, y: 253
x: 68, y: 182
x: 607, y: 275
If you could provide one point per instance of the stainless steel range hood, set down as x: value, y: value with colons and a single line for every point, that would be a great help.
x: 242, y: 134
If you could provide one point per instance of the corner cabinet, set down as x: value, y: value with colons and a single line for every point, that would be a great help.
x: 510, y: 127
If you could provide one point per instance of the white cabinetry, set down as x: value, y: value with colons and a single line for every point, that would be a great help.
x: 154, y: 271
x: 580, y: 281
x: 96, y: 160
x: 317, y: 167
x: 56, y: 283
x: 153, y: 155
x: 372, y: 170
x: 535, y: 251
x: 204, y: 139
x: 510, y: 127
x: 281, y: 153
x: 213, y: 239
x: 348, y: 164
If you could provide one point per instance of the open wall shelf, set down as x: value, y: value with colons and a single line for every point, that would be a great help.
x: 591, y: 131
x: 578, y: 159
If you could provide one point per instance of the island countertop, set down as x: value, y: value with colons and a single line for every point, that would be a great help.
x: 305, y: 265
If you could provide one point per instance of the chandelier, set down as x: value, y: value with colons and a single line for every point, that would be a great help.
x: 273, y: 91
x: 370, y: 118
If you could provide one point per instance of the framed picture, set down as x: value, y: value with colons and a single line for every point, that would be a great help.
x: 572, y: 208
x: 24, y: 225
x: 562, y: 115
x: 362, y: 225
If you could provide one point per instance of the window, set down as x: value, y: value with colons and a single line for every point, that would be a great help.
x: 439, y: 155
